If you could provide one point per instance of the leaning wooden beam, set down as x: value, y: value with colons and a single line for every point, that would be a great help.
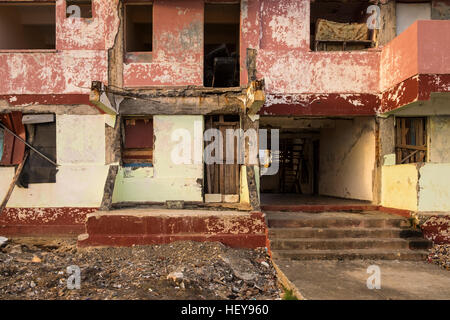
x: 109, y: 188
x: 14, y: 181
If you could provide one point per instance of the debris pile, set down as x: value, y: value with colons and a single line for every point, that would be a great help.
x: 440, y: 255
x: 38, y: 269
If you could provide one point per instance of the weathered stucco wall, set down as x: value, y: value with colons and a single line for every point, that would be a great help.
x: 80, y: 150
x: 347, y: 159
x: 439, y: 138
x: 434, y: 187
x: 399, y: 186
x: 80, y: 56
x: 167, y: 180
x: 80, y: 139
x: 6, y: 176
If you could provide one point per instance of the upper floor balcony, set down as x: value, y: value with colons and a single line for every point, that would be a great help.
x: 415, y: 68
x: 167, y: 43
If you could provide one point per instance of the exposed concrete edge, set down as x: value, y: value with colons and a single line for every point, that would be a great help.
x: 286, y: 283
x: 433, y: 213
x: 170, y: 213
x: 394, y: 211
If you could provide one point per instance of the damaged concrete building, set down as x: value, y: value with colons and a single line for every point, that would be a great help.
x: 91, y: 93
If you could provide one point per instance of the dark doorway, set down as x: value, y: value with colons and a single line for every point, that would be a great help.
x: 221, y: 47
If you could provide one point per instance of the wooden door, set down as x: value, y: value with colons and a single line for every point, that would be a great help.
x: 223, y: 178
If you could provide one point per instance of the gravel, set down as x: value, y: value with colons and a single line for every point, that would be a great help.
x: 33, y: 268
x: 440, y: 255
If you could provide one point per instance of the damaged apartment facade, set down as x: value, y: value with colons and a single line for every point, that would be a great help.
x: 97, y: 88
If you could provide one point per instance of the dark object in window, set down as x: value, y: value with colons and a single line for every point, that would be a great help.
x: 37, y: 169
x: 340, y: 26
x: 138, y: 27
x: 411, y: 140
x: 221, y: 48
x: 79, y: 9
x: 138, y: 141
x: 27, y: 26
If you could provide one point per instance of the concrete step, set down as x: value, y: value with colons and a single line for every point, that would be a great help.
x: 349, y: 243
x: 357, y: 221
x: 325, y: 233
x: 146, y: 226
x: 372, y: 254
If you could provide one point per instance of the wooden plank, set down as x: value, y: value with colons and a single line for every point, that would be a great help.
x: 138, y: 152
x: 222, y: 166
x: 408, y: 157
x: 411, y: 147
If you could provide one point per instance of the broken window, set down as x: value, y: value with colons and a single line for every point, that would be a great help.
x: 41, y: 132
x: 34, y: 135
x: 411, y: 140
x: 338, y: 25
x: 138, y: 27
x: 27, y: 26
x: 221, y: 65
x: 137, y: 142
x: 79, y: 8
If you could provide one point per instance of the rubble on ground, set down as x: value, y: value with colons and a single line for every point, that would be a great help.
x: 38, y: 269
x: 440, y: 255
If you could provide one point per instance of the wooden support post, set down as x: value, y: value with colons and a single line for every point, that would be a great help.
x: 247, y: 124
x: 109, y: 188
x: 14, y: 181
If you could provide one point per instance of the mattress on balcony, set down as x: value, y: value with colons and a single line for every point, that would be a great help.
x: 336, y: 31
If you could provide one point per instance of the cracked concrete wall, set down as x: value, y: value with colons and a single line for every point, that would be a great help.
x: 166, y: 180
x: 417, y: 187
x: 399, y: 185
x: 347, y: 159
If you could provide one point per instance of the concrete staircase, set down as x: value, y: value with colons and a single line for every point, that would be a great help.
x: 343, y: 235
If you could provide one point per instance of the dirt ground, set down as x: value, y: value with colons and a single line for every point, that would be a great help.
x: 33, y: 268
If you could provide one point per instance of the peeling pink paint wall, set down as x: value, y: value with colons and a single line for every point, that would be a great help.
x: 278, y: 30
x: 399, y: 59
x: 285, y: 60
x: 177, y: 57
x: 80, y: 56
